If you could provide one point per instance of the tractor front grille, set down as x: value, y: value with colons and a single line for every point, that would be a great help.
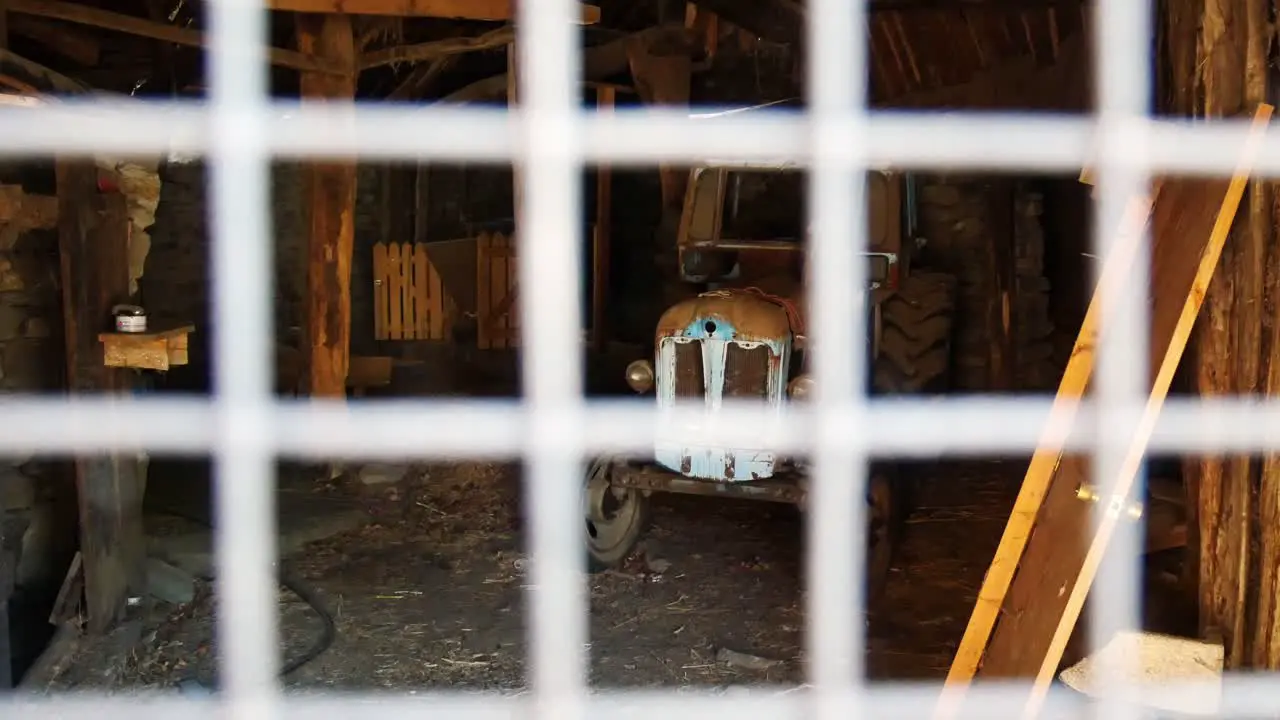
x: 690, y: 376
x: 746, y: 372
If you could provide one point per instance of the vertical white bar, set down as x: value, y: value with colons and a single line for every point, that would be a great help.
x: 245, y: 535
x: 548, y: 232
x: 837, y: 302
x: 1122, y: 75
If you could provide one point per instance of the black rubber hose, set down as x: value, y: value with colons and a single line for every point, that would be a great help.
x: 328, y: 631
x: 305, y: 592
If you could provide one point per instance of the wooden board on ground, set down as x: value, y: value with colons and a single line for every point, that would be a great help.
x: 1035, y: 587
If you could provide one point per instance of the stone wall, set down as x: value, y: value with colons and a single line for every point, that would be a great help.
x: 962, y: 219
x: 177, y: 281
x: 35, y: 547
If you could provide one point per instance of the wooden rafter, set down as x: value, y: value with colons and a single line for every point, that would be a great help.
x: 107, y: 20
x: 436, y: 49
x: 906, y: 45
x: 456, y: 9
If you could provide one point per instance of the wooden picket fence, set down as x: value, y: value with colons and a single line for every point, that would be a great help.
x: 497, y: 295
x: 409, y: 302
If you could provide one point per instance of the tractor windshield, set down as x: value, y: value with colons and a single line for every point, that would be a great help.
x: 764, y: 205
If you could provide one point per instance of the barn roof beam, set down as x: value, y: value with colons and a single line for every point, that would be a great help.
x: 454, y: 9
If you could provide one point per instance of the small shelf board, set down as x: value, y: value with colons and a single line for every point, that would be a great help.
x: 152, y: 350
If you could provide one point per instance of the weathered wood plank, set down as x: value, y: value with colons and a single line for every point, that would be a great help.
x: 1040, y: 472
x: 331, y: 199
x: 1190, y: 221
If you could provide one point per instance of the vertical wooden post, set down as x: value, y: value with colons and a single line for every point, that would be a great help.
x: 93, y: 238
x: 605, y: 99
x: 330, y: 195
x: 513, y: 85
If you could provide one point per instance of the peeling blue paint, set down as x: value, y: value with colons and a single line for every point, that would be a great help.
x: 679, y: 454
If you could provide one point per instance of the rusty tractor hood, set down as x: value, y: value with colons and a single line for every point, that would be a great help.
x: 736, y: 315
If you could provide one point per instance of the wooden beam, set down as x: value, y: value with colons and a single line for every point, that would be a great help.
x: 598, y: 63
x: 455, y: 9
x: 75, y: 45
x: 93, y: 236
x: 94, y: 17
x: 330, y: 196
x: 37, y: 76
x: 437, y: 49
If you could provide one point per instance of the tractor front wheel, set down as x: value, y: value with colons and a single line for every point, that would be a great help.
x: 616, y: 517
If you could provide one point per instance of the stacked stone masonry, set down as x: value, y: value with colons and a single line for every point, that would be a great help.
x: 176, y: 283
x: 957, y: 220
x: 31, y: 361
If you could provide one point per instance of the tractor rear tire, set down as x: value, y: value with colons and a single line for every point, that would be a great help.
x: 915, y: 336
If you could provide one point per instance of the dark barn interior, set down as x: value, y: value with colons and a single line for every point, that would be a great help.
x: 410, y: 575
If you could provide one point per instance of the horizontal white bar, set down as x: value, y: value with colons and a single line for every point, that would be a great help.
x: 1034, y: 141
x: 1238, y: 696
x: 952, y: 427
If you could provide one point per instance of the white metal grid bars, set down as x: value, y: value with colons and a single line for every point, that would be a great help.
x: 552, y: 429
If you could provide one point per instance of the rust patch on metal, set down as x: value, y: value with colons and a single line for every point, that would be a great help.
x: 753, y: 318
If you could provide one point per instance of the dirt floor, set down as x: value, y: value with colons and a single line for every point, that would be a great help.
x: 429, y: 594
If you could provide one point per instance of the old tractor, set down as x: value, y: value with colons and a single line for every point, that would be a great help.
x: 742, y: 235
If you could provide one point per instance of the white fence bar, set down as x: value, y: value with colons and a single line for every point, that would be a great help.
x: 836, y: 305
x: 1241, y: 697
x: 1121, y: 58
x: 444, y: 430
x: 1007, y: 142
x: 549, y: 234
x: 245, y: 533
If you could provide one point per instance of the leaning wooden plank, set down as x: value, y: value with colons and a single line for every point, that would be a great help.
x: 1028, y: 604
x: 1045, y: 460
x: 1180, y: 332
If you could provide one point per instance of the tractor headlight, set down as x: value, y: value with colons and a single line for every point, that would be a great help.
x: 801, y: 388
x: 640, y: 376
